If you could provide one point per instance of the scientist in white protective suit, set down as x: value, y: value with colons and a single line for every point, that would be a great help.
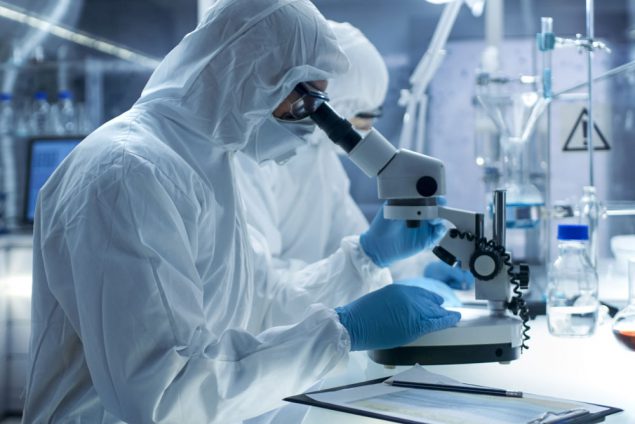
x: 301, y: 212
x: 148, y: 306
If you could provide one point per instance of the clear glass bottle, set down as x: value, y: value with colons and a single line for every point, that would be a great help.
x: 63, y: 114
x: 572, y: 293
x: 624, y: 322
x: 40, y: 114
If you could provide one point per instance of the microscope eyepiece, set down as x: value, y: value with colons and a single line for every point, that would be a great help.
x: 338, y: 129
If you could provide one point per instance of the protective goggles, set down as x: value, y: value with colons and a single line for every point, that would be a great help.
x: 310, y: 100
x: 371, y: 114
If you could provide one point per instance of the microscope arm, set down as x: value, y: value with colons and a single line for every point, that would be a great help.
x: 489, y: 262
x: 455, y: 250
x: 462, y: 246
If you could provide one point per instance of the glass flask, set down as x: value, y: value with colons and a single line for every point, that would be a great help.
x: 624, y: 322
x: 524, y: 200
x: 514, y: 107
x: 572, y: 293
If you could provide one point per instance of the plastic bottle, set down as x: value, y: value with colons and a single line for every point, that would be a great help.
x: 572, y: 293
x: 64, y: 114
x: 40, y: 121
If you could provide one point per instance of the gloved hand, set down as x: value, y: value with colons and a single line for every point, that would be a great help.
x: 454, y: 277
x: 435, y: 286
x: 393, y: 316
x: 389, y: 240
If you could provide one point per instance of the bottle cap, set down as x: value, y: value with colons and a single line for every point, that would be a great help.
x: 5, y: 96
x: 573, y: 232
x: 40, y: 95
x: 64, y: 94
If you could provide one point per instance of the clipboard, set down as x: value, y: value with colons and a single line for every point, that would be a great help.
x: 548, y: 418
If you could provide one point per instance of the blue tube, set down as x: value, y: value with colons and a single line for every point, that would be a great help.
x: 547, y: 91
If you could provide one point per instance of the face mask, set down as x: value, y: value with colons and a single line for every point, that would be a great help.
x: 277, y: 139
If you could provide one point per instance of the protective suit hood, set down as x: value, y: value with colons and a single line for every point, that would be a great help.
x: 240, y: 62
x: 363, y: 88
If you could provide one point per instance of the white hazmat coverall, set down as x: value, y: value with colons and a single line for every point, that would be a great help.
x: 147, y: 306
x: 302, y: 219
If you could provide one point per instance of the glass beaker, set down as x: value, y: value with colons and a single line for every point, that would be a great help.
x: 624, y: 322
x: 524, y: 200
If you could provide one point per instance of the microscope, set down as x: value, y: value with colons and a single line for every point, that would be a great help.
x: 411, y: 184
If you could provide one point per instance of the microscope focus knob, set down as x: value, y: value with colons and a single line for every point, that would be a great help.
x: 485, y: 264
x: 427, y: 186
x: 523, y: 276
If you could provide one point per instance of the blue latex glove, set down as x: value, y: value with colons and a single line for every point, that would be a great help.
x: 393, y: 316
x: 390, y: 240
x: 435, y: 286
x: 454, y: 277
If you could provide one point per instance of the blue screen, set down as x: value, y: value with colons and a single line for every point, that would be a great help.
x: 46, y: 155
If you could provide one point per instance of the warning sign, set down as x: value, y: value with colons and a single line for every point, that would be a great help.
x: 579, y: 138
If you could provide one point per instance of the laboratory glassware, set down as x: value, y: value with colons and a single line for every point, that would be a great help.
x: 515, y: 107
x: 63, y: 114
x: 572, y: 293
x: 624, y: 322
x: 40, y: 114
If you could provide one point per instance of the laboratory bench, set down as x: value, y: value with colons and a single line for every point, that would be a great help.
x: 597, y: 369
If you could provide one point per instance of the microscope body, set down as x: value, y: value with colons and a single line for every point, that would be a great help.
x: 411, y: 184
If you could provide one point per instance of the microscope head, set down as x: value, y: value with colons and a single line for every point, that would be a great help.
x: 412, y: 185
x: 410, y: 182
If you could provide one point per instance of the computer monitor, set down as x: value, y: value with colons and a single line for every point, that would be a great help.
x: 44, y: 156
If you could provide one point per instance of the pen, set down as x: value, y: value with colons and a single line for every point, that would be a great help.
x: 463, y: 389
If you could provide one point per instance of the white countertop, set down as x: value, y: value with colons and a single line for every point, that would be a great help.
x: 596, y: 369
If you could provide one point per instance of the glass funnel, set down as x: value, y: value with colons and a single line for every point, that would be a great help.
x: 515, y: 107
x: 624, y: 321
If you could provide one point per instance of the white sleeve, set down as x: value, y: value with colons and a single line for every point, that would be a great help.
x: 293, y: 286
x: 140, y: 313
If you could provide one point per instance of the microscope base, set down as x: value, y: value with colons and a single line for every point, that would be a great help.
x: 477, y: 338
x: 445, y: 355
